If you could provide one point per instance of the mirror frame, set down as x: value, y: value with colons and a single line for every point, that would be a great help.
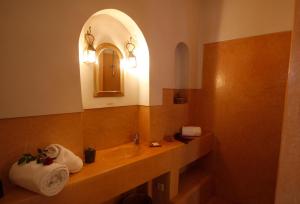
x: 97, y: 92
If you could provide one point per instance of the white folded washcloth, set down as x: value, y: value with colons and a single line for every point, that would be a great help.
x: 47, y: 180
x: 191, y: 131
x: 64, y: 156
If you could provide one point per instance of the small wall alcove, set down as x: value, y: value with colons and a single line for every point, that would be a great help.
x: 111, y: 26
x: 181, y: 73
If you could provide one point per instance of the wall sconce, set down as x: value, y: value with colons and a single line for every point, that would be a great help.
x: 90, y: 52
x: 131, y: 57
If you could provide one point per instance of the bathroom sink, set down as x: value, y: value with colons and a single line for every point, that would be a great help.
x: 119, y: 153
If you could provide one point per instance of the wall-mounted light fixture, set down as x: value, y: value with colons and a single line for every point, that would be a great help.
x: 89, y: 52
x: 130, y: 46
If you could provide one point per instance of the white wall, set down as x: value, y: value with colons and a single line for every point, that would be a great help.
x: 173, y: 22
x: 39, y: 66
x: 39, y: 72
x: 39, y: 57
x: 232, y: 19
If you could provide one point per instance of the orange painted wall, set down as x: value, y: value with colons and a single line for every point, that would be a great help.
x: 242, y: 102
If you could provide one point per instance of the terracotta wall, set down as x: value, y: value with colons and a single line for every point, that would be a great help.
x: 242, y: 102
x: 107, y: 127
x: 167, y: 119
x: 288, y: 191
x: 99, y: 128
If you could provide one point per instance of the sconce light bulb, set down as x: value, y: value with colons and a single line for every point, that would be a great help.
x: 90, y: 56
x: 132, y: 60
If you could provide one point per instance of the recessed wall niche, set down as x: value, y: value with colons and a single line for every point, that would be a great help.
x: 181, y: 73
x: 115, y: 27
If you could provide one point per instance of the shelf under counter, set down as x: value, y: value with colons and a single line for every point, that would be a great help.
x: 195, y: 185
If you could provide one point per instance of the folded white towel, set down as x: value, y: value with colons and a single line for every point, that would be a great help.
x: 47, y: 180
x: 64, y: 156
x: 191, y: 131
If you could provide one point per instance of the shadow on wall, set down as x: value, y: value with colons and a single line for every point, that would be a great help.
x: 203, y: 101
x: 210, y: 18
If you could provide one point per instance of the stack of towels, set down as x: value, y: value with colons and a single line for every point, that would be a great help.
x: 47, y: 180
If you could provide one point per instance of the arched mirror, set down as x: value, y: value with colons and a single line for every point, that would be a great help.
x: 109, y: 75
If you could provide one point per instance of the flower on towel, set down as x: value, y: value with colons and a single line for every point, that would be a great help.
x: 26, y: 158
x: 41, y: 158
x: 47, y: 161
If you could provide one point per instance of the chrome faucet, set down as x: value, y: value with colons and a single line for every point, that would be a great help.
x: 136, y: 139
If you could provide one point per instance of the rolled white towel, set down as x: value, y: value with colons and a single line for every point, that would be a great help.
x: 47, y: 180
x: 64, y: 156
x: 191, y: 131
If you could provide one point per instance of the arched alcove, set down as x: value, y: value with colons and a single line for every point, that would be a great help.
x: 181, y: 72
x: 115, y: 27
